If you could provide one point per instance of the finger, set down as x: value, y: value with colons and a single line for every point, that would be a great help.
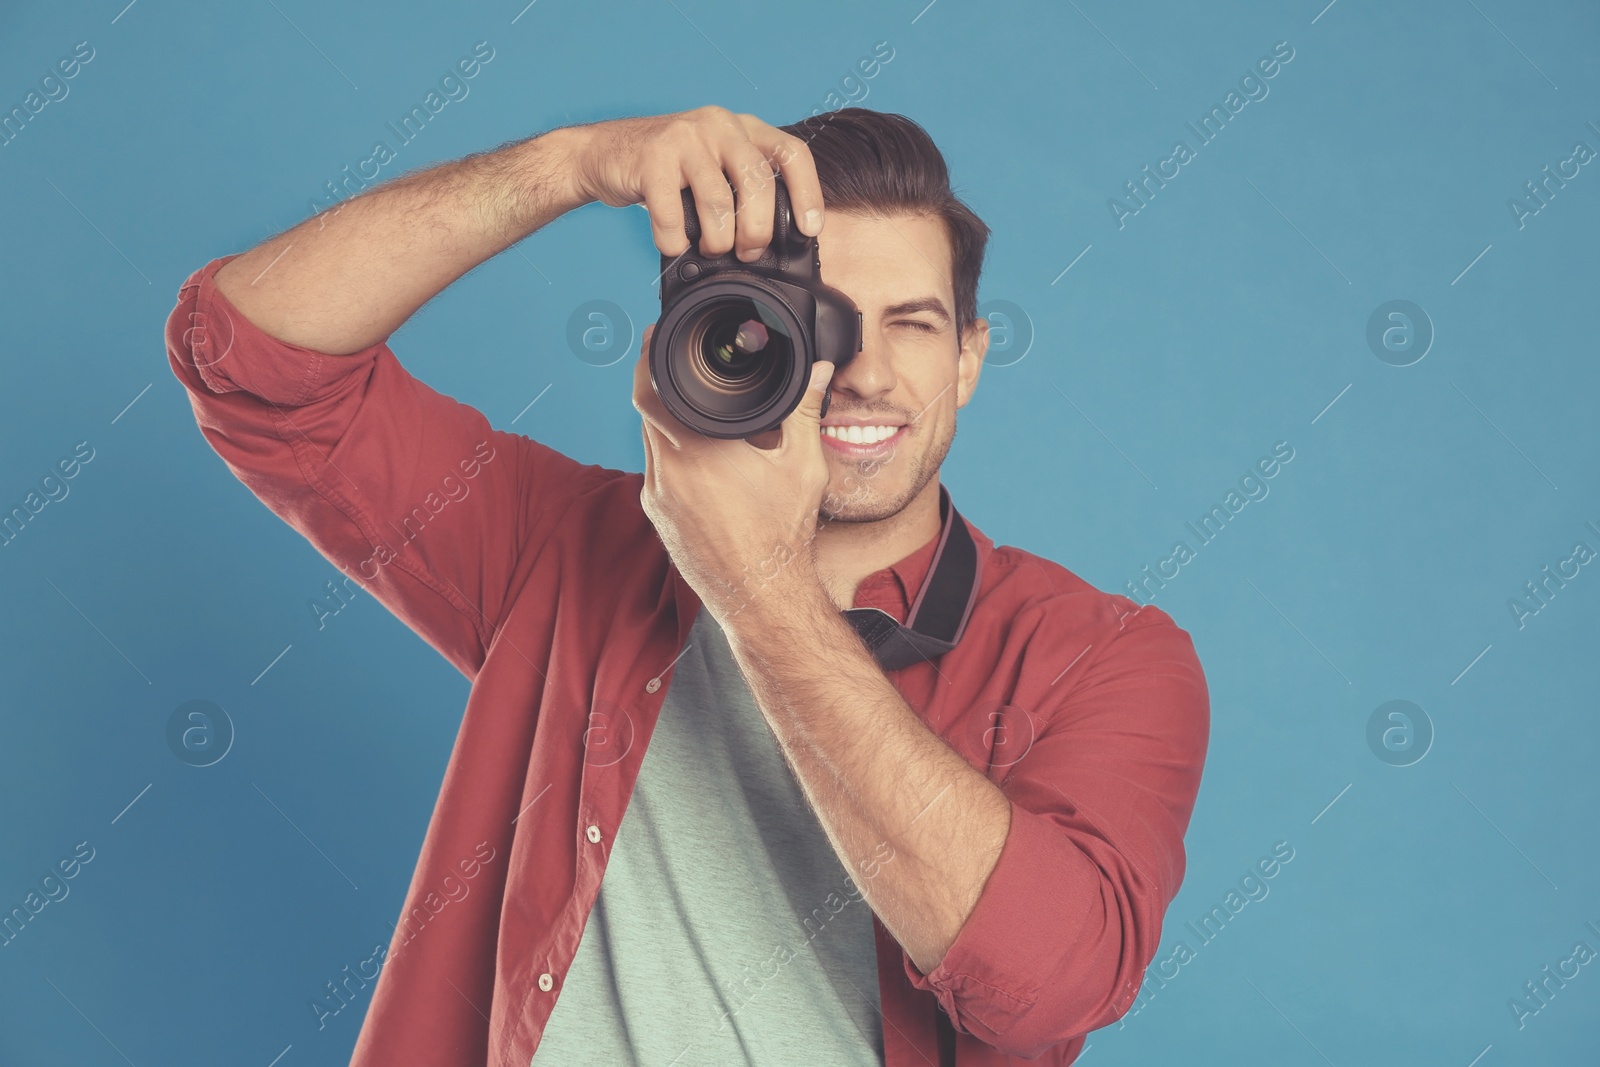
x: 817, y: 388
x: 663, y: 199
x: 648, y: 404
x: 792, y: 157
x: 654, y: 474
x: 713, y: 203
x: 801, y: 427
x: 755, y: 193
x: 649, y: 460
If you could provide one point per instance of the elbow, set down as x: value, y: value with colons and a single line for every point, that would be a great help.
x: 1057, y: 945
x: 1087, y: 982
x: 1028, y: 1031
x: 1066, y: 1009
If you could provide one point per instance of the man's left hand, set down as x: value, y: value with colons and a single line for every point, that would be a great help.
x: 738, y: 517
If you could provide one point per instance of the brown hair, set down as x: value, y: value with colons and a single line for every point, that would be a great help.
x: 876, y: 163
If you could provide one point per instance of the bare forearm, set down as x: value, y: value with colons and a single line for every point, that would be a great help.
x: 348, y: 277
x: 918, y: 828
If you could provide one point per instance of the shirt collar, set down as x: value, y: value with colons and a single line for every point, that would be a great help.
x: 893, y: 588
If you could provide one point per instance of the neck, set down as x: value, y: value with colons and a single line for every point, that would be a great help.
x: 849, y: 551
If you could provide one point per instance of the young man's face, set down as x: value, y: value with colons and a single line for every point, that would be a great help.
x: 911, y: 373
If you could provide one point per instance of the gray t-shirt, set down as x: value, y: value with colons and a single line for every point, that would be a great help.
x: 726, y: 931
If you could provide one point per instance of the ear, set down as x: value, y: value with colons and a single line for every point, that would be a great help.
x: 974, y: 347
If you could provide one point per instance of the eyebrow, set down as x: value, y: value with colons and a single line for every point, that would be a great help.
x: 930, y: 304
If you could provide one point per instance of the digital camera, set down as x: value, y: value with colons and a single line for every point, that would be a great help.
x: 732, y: 352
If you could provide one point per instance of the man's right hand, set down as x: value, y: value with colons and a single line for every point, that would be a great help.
x: 650, y: 160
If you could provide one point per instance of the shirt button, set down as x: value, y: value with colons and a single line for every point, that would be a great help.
x: 545, y: 982
x: 652, y: 685
x: 593, y: 833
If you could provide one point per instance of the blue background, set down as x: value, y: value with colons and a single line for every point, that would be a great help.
x: 1178, y: 349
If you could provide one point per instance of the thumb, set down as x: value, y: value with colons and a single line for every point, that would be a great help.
x: 810, y: 408
x: 801, y: 424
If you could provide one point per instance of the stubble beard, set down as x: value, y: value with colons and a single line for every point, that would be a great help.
x: 860, y: 501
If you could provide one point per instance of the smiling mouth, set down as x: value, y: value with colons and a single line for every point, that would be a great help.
x: 859, y: 441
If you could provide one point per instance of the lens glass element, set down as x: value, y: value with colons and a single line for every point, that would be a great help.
x: 738, y: 356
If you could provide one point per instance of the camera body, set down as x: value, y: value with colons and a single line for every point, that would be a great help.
x: 733, y: 350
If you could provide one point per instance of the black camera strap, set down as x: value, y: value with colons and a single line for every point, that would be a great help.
x: 941, y: 608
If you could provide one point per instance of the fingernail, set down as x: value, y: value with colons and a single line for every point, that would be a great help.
x: 813, y: 221
x: 750, y: 255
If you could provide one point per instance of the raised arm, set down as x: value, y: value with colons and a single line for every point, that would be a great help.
x: 408, y: 492
x: 348, y: 277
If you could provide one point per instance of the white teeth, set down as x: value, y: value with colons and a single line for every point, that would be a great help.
x: 860, y: 435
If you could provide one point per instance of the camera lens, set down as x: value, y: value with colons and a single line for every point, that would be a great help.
x: 741, y: 354
x: 733, y: 349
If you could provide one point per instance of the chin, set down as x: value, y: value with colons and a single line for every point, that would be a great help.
x: 871, y: 491
x: 870, y: 504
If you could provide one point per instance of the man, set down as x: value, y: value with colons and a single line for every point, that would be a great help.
x: 689, y: 817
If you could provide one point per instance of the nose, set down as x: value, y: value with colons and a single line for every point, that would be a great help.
x: 870, y: 373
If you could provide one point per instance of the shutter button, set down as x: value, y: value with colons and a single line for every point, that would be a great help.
x: 545, y: 982
x: 593, y: 833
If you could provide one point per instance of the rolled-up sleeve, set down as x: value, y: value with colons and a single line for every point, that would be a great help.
x: 1071, y: 915
x: 405, y: 490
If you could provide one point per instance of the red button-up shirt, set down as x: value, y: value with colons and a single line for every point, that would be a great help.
x: 541, y: 579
